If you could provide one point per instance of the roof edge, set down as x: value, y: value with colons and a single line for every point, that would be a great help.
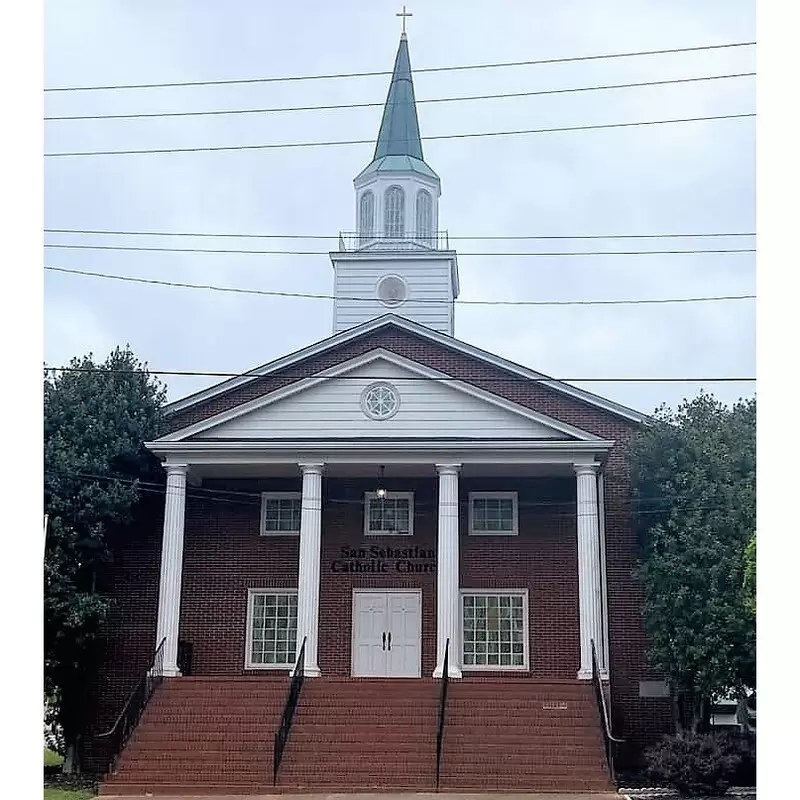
x: 444, y: 340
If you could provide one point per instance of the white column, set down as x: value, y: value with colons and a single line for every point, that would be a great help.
x: 447, y: 574
x: 601, y: 515
x: 169, y: 592
x: 309, y: 566
x: 589, y: 582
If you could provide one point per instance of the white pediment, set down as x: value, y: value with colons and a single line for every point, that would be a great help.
x: 330, y: 406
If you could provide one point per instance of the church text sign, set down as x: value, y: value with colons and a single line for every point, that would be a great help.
x: 382, y: 560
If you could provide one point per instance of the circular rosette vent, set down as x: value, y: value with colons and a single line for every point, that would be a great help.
x: 380, y: 401
x: 392, y: 290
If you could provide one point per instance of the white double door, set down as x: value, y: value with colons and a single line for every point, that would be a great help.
x: 387, y: 634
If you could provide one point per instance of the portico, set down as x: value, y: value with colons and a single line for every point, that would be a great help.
x: 405, y: 557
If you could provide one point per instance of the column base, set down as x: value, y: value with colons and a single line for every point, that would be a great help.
x: 308, y: 672
x: 168, y: 672
x: 586, y: 675
x: 452, y: 671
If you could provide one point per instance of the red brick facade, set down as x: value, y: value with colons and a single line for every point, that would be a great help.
x: 224, y: 554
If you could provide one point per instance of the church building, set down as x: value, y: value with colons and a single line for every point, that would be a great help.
x: 388, y: 560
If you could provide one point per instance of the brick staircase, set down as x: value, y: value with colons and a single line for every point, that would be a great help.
x: 203, y: 736
x: 215, y: 735
x: 363, y: 734
x: 522, y: 734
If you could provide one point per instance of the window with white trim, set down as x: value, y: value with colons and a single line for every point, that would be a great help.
x: 394, y: 213
x: 494, y: 630
x: 493, y: 514
x: 391, y: 515
x: 280, y: 513
x: 271, y: 629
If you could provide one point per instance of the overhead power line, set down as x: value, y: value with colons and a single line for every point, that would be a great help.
x: 415, y: 378
x: 376, y: 73
x: 335, y: 236
x: 306, y: 295
x: 325, y: 252
x: 287, y: 145
x: 254, y: 499
x: 222, y: 112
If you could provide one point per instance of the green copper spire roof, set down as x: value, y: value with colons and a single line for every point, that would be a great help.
x: 399, y: 133
x: 399, y: 147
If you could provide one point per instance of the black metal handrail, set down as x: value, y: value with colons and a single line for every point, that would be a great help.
x: 282, y: 734
x: 609, y: 739
x: 442, y: 704
x: 124, y: 725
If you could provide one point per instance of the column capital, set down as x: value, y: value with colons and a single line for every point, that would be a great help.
x: 311, y: 467
x: 176, y: 469
x: 586, y: 469
x: 448, y: 469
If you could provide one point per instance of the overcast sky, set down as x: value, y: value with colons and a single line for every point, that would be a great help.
x: 692, y: 177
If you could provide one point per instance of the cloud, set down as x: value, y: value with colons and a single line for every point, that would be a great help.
x: 691, y: 177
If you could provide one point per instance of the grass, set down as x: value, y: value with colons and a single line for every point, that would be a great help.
x: 52, y: 759
x: 52, y: 793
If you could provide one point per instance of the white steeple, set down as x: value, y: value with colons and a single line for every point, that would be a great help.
x: 396, y: 261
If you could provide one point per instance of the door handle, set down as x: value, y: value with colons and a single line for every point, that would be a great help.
x: 383, y: 646
x: 390, y: 640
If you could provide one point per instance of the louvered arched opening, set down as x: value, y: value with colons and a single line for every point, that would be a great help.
x: 425, y: 217
x: 394, y: 223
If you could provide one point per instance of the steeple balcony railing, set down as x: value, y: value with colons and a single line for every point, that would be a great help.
x: 355, y: 240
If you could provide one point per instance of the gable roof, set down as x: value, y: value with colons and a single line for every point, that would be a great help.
x: 432, y: 405
x: 388, y: 321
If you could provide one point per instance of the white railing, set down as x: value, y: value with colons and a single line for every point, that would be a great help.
x: 354, y: 240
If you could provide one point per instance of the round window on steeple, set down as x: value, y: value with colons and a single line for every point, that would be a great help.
x: 392, y: 290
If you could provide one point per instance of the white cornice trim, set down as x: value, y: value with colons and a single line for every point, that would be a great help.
x: 413, y: 327
x: 382, y: 452
x: 394, y: 255
x: 378, y: 354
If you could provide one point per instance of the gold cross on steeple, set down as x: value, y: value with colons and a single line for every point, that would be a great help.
x: 403, y: 14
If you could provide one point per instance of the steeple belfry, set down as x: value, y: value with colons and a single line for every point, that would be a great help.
x: 397, y: 258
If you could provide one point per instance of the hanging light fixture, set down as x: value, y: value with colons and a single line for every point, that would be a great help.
x: 380, y: 492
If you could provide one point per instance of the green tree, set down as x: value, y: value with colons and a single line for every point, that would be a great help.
x: 694, y: 486
x: 96, y: 418
x: 750, y: 575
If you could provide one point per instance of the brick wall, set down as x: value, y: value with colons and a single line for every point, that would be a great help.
x: 224, y: 556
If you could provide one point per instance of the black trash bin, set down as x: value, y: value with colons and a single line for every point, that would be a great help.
x: 185, y: 657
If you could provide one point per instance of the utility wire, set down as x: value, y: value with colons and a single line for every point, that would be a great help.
x: 568, y: 90
x: 415, y: 378
x: 375, y: 73
x: 286, y: 145
x: 334, y: 237
x: 325, y: 252
x: 270, y: 293
x: 253, y: 499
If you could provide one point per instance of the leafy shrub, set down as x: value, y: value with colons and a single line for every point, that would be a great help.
x: 744, y: 746
x: 693, y: 763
